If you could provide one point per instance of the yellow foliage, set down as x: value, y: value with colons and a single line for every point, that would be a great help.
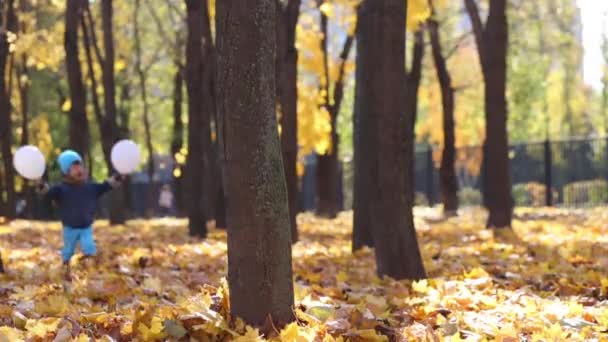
x: 67, y: 105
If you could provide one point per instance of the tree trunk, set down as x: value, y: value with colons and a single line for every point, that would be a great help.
x: 287, y: 95
x: 259, y: 236
x: 177, y: 141
x: 492, y: 43
x: 5, y: 112
x: 381, y: 72
x: 199, y: 135
x: 411, y: 102
x: 447, y: 172
x: 362, y: 149
x: 78, y: 123
x: 142, y: 76
x: 118, y: 213
x: 327, y: 182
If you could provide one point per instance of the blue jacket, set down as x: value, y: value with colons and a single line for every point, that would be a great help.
x: 78, y: 202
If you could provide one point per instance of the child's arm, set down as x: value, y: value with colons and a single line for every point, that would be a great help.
x: 111, y: 183
x: 51, y: 192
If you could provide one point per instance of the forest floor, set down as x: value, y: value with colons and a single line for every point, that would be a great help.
x: 547, y: 281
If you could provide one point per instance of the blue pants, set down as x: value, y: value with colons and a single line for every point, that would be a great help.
x: 72, y: 236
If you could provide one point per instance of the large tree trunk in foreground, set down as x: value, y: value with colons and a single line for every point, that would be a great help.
x: 381, y: 82
x: 362, y: 157
x: 199, y: 136
x: 287, y: 97
x: 447, y: 171
x: 259, y: 236
x: 492, y: 43
x: 79, y: 126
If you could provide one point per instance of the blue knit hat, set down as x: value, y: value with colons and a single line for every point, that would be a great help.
x: 66, y: 159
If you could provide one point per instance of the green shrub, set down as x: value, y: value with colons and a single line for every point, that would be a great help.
x: 586, y: 192
x: 469, y: 196
x: 531, y: 194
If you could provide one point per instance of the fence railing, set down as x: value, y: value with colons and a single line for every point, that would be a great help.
x: 564, y: 173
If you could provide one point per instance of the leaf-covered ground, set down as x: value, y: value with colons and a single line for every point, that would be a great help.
x: 546, y: 282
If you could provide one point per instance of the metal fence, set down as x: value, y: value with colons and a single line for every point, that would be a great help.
x: 564, y: 173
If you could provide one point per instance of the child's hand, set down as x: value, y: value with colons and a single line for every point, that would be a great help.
x: 41, y: 186
x: 116, y: 180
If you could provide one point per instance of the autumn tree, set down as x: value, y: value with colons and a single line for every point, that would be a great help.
x: 78, y: 123
x: 447, y: 172
x: 327, y: 166
x: 259, y: 241
x: 362, y: 235
x: 177, y: 54
x: 8, y: 23
x: 287, y: 98
x: 107, y: 117
x: 199, y: 72
x: 380, y: 128
x: 492, y: 41
x: 142, y: 74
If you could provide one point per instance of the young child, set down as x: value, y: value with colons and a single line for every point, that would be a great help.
x: 77, y: 199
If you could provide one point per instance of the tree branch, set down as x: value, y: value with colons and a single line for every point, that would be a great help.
x: 478, y: 29
x: 87, y: 48
x: 93, y: 35
x: 339, y: 85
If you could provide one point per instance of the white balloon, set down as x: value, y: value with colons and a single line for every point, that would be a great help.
x: 29, y: 162
x: 125, y: 156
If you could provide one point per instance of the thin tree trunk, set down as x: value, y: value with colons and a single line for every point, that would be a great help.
x: 8, y: 23
x: 120, y: 201
x: 413, y: 78
x: 142, y: 75
x: 78, y: 123
x: 381, y: 82
x: 447, y: 172
x: 492, y: 43
x: 86, y: 38
x: 259, y: 236
x: 287, y: 95
x: 177, y: 141
x: 197, y: 163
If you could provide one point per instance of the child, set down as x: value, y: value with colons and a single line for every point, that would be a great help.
x: 77, y: 199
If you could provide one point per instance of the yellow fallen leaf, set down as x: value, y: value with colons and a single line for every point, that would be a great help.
x: 154, y: 331
x: 8, y: 334
x: 42, y: 327
x: 251, y: 335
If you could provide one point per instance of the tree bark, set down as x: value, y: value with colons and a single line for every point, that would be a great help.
x: 78, y: 123
x: 362, y: 149
x: 287, y: 95
x: 120, y: 199
x: 177, y: 141
x: 447, y: 172
x: 328, y: 176
x: 413, y: 78
x: 492, y: 44
x: 8, y: 23
x: 199, y: 134
x: 259, y: 236
x: 381, y: 82
x: 142, y: 76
